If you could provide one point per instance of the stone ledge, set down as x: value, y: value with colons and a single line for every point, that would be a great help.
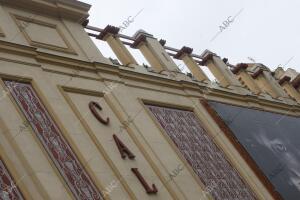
x: 68, y: 9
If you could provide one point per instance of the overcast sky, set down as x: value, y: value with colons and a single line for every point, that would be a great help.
x: 267, y: 31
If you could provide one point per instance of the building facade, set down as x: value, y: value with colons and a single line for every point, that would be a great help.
x: 77, y: 125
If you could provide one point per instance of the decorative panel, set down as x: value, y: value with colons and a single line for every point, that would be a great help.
x: 206, y: 159
x: 273, y: 142
x: 43, y: 34
x: 53, y: 141
x: 8, y: 189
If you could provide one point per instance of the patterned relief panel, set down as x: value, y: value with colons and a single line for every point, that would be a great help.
x: 8, y: 189
x: 207, y: 160
x: 51, y: 138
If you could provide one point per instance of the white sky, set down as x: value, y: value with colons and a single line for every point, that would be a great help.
x: 266, y: 30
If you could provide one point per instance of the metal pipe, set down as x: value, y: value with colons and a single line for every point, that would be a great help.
x: 171, y: 54
x: 94, y: 28
x: 126, y: 43
x: 101, y: 30
x: 171, y: 49
x: 196, y: 56
x: 126, y: 37
x: 92, y: 35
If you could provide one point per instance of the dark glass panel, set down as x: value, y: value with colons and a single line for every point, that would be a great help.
x: 272, y: 140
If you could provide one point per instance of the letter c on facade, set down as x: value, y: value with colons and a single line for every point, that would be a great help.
x: 93, y: 105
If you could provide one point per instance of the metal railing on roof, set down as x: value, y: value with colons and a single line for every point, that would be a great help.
x: 173, y: 53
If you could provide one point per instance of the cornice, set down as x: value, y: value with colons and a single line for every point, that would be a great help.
x: 19, y: 62
x: 81, y: 91
x: 122, y: 74
x: 64, y: 61
x: 221, y: 93
x: 68, y: 9
x: 18, y: 48
x: 256, y: 102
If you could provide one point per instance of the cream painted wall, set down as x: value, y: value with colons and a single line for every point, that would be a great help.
x: 66, y: 83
